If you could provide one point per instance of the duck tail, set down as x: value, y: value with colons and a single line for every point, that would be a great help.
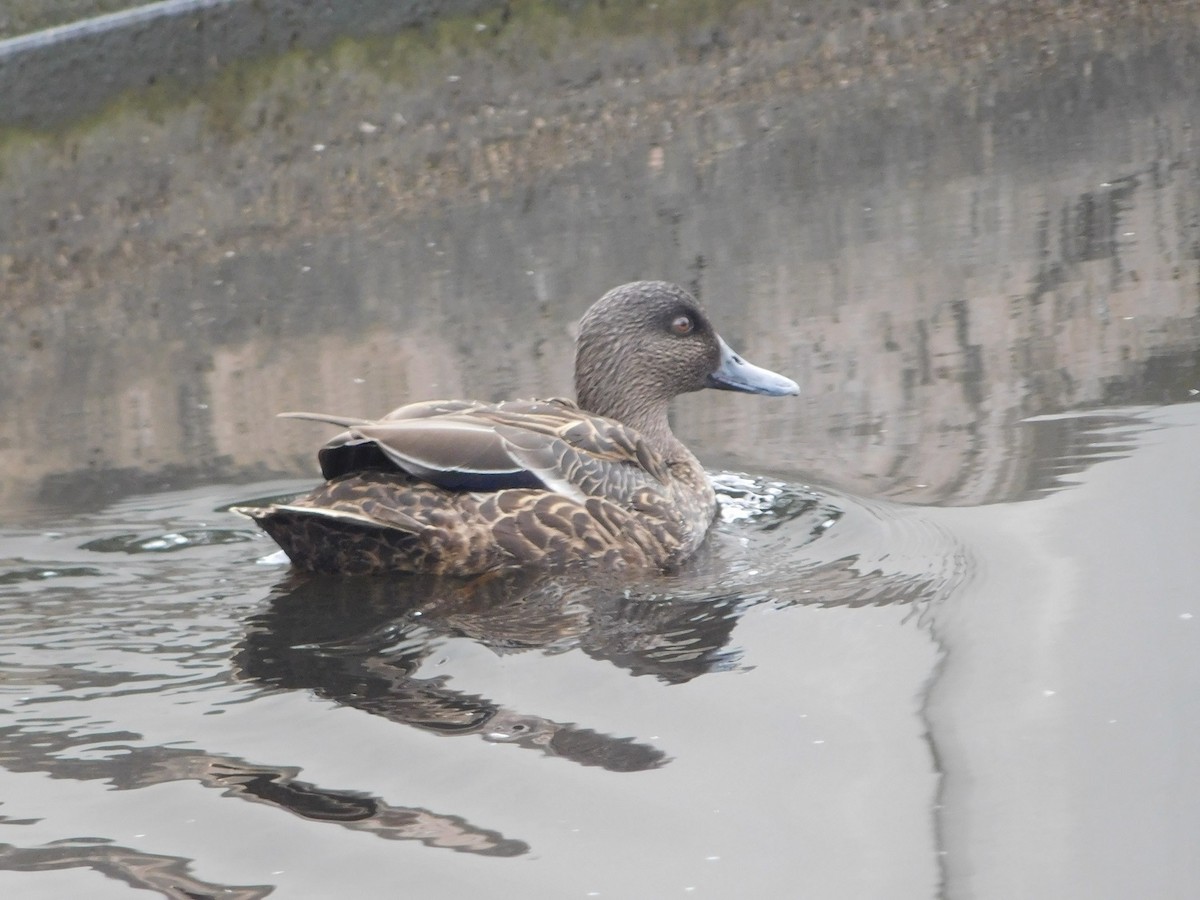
x: 340, y: 421
x: 334, y: 542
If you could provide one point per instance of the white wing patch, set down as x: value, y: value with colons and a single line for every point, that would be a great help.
x: 345, y: 515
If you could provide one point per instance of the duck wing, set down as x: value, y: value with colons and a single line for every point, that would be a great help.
x: 352, y: 451
x: 580, y: 455
x: 481, y: 447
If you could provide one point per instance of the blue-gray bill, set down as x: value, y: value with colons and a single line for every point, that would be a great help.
x: 735, y: 374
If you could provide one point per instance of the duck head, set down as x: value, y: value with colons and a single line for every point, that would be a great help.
x: 648, y: 341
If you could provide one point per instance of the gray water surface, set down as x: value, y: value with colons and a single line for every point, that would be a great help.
x: 943, y: 639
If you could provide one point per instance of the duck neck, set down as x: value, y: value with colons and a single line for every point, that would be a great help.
x: 645, y: 414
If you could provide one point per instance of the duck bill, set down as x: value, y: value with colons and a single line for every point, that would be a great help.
x: 735, y: 374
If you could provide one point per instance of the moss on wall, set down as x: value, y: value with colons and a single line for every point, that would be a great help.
x: 24, y: 16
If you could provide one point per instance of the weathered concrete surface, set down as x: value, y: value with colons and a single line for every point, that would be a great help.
x: 19, y: 17
x: 983, y: 193
x: 52, y: 77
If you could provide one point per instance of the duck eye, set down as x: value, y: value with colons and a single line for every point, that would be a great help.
x: 682, y: 325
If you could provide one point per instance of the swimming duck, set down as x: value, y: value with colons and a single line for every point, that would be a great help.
x: 459, y: 487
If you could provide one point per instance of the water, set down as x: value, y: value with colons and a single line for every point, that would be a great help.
x: 946, y: 622
x: 155, y: 649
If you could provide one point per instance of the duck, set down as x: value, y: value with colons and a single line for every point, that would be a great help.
x: 465, y: 487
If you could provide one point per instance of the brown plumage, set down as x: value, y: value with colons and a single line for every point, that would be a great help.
x: 461, y: 487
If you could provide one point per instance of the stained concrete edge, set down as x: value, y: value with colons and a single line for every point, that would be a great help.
x: 49, y: 78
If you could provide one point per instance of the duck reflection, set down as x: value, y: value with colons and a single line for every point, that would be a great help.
x: 361, y: 642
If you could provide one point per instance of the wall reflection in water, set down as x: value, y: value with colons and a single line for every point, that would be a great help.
x: 126, y: 766
x: 168, y: 875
